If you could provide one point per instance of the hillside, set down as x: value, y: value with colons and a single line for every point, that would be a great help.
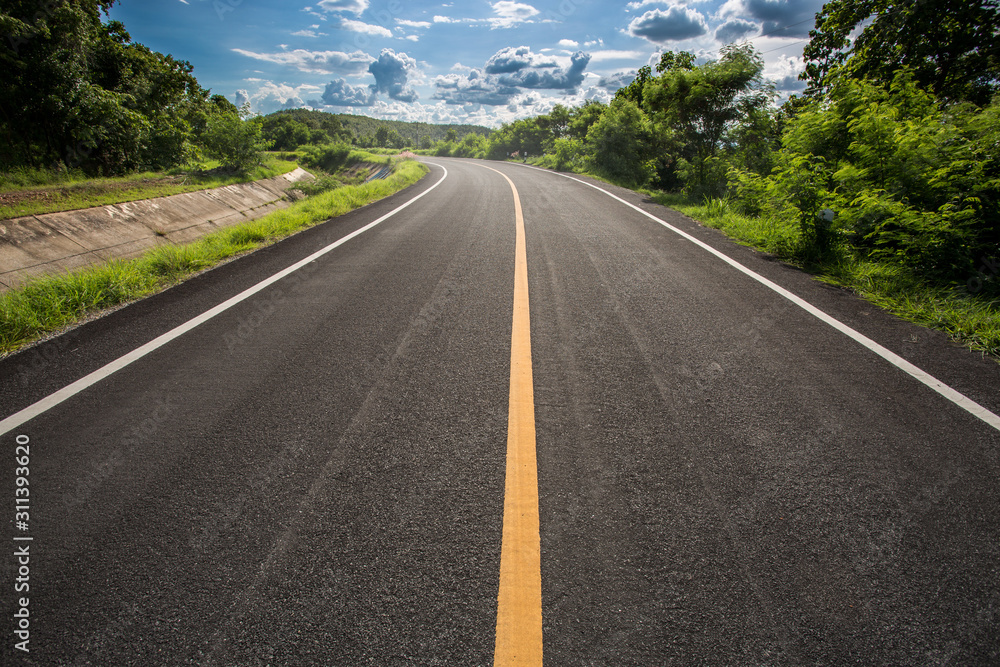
x: 361, y: 126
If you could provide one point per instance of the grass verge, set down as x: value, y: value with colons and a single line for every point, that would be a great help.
x: 51, y: 303
x: 971, y: 319
x: 29, y: 193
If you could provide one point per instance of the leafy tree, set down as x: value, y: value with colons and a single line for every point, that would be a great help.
x: 671, y: 61
x: 913, y: 179
x: 621, y: 143
x: 395, y: 140
x: 695, y: 110
x: 582, y: 117
x: 236, y: 140
x: 382, y: 136
x: 634, y: 91
x: 951, y: 47
x: 78, y: 92
x: 451, y: 135
x: 287, y: 134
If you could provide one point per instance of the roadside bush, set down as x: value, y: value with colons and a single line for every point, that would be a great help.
x: 235, y: 142
x: 329, y: 157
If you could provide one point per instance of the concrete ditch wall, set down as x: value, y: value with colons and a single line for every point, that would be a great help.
x: 58, y: 242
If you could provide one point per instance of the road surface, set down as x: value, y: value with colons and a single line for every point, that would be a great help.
x: 317, y: 473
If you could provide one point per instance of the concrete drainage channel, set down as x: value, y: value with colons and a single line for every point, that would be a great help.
x: 58, y: 242
x: 380, y: 174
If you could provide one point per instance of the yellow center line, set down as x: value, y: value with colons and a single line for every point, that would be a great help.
x: 519, y: 602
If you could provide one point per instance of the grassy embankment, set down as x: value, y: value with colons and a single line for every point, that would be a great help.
x: 970, y: 318
x: 37, y: 191
x: 48, y: 304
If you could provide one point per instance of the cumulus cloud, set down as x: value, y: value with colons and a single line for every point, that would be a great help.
x: 507, y: 72
x: 325, y: 62
x: 734, y: 30
x: 413, y: 24
x: 616, y: 81
x: 610, y: 54
x: 784, y: 73
x: 339, y: 93
x: 511, y: 59
x: 476, y: 87
x: 679, y: 22
x: 548, y: 76
x: 365, y: 28
x: 569, y: 43
x: 509, y: 14
x: 391, y: 72
x: 780, y: 18
x: 356, y: 7
x: 271, y: 97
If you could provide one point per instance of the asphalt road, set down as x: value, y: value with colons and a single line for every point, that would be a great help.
x: 316, y: 475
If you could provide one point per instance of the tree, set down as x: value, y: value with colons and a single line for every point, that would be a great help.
x: 680, y: 60
x: 583, y: 117
x: 953, y: 48
x: 621, y: 143
x: 694, y: 110
x: 236, y: 140
x: 78, y: 92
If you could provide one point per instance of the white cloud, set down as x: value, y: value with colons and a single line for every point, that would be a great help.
x: 784, y: 72
x: 569, y: 43
x: 509, y: 13
x: 609, y: 54
x: 780, y: 18
x: 507, y: 73
x: 356, y: 7
x: 734, y: 30
x: 413, y: 24
x: 339, y: 93
x: 678, y: 23
x: 270, y: 97
x: 365, y: 28
x: 392, y: 72
x: 305, y: 33
x: 332, y: 62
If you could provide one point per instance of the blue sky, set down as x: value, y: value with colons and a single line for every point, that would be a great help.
x: 484, y: 62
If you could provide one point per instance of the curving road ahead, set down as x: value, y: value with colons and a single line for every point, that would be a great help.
x: 317, y: 473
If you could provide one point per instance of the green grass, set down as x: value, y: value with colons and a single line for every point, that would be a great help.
x: 971, y: 319
x: 68, y: 191
x: 48, y: 304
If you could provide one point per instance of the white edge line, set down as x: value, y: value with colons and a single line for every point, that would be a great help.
x: 923, y: 376
x: 52, y: 400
